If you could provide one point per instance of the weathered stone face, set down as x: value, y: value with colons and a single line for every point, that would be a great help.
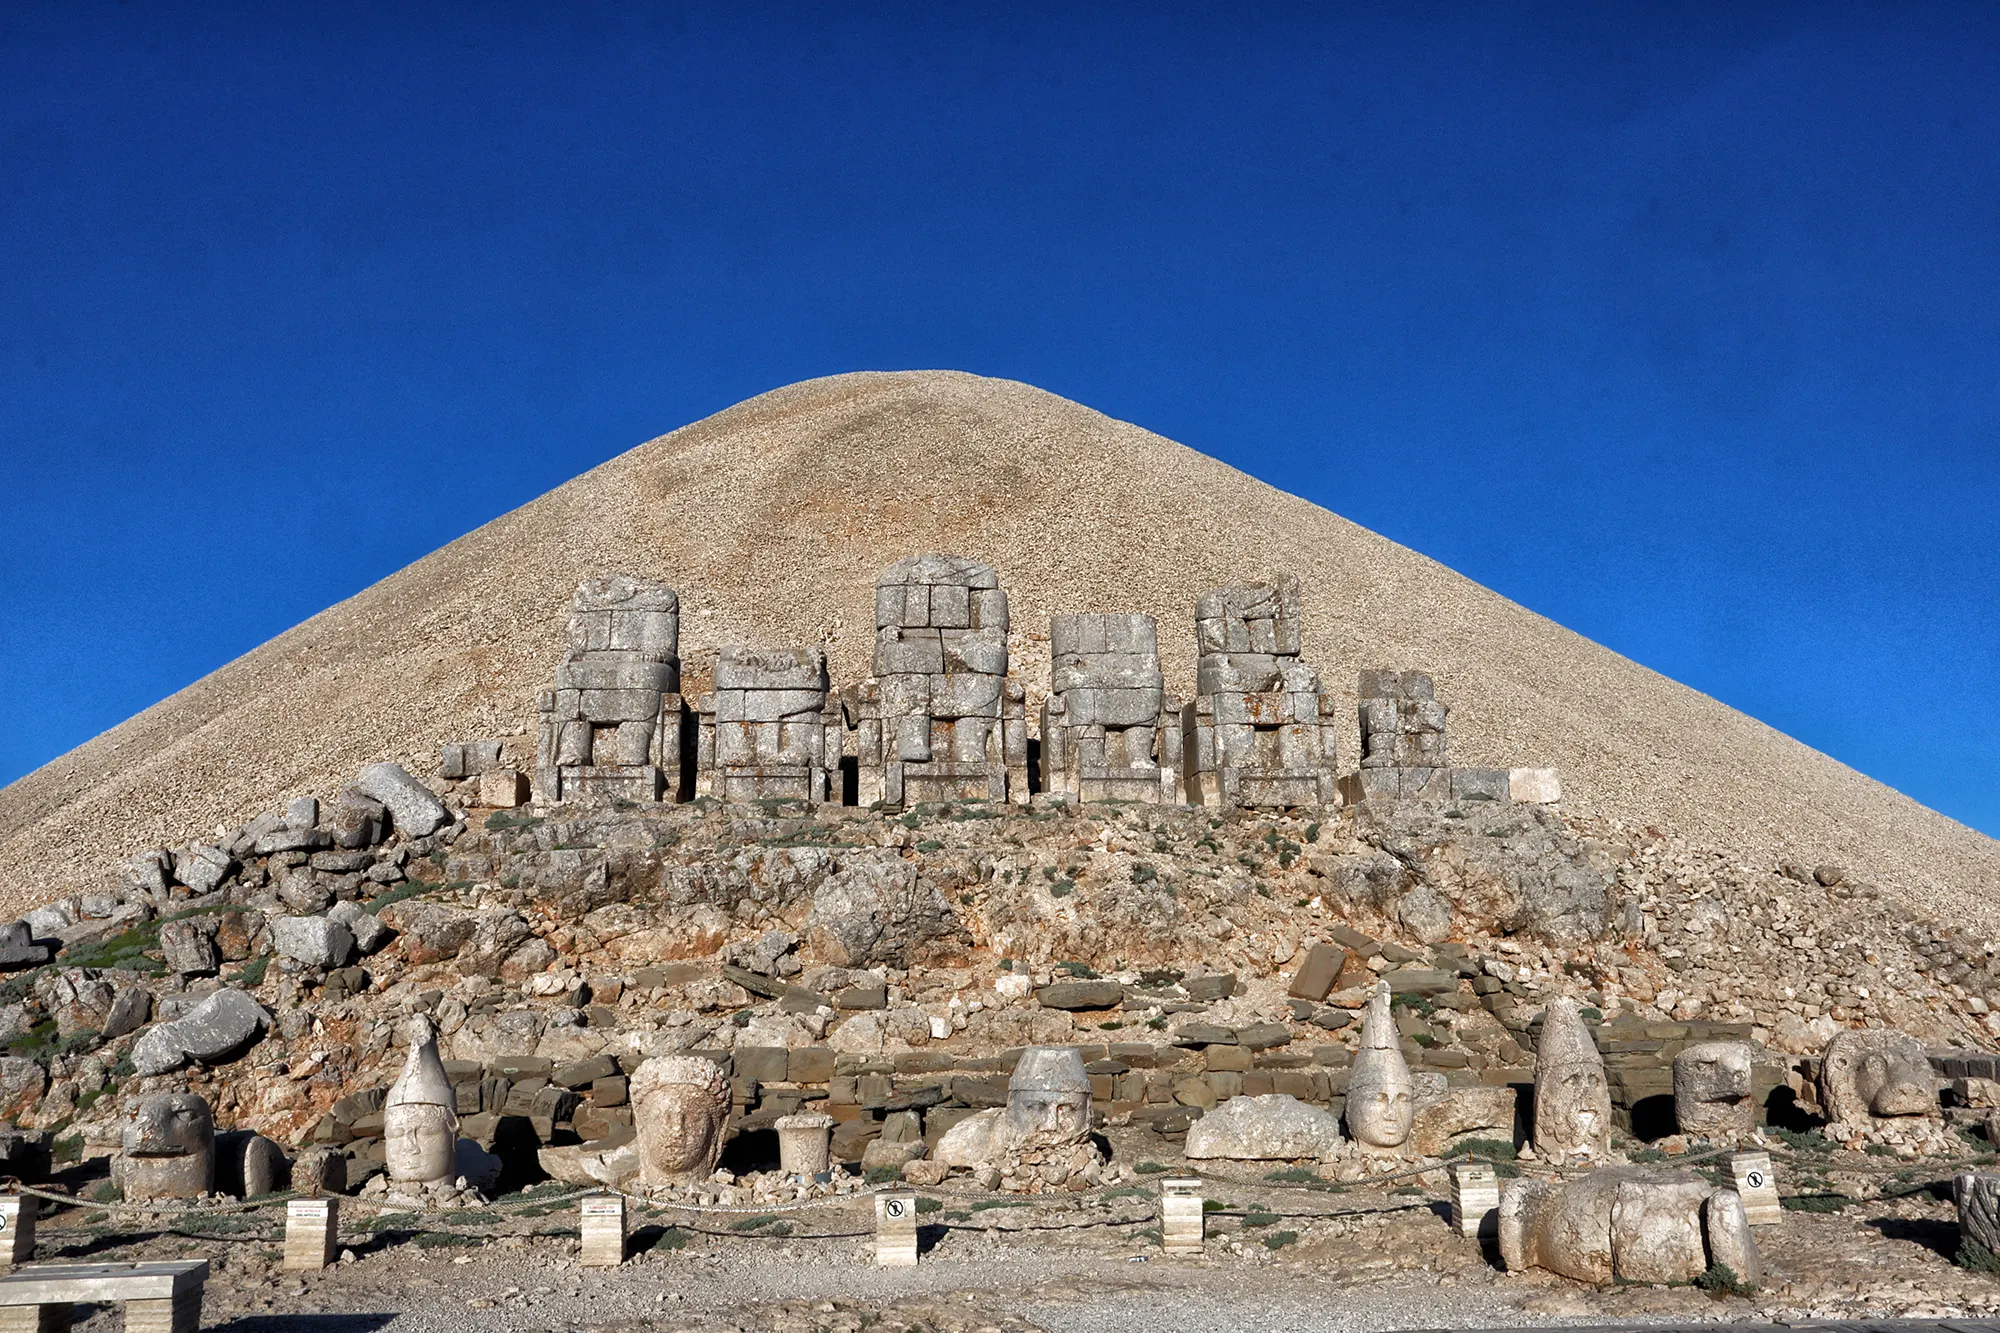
x: 1869, y: 1075
x: 680, y: 1106
x: 419, y: 1143
x: 1572, y: 1093
x: 1712, y: 1091
x: 419, y: 1122
x: 169, y: 1148
x: 1381, y: 1095
x: 1048, y: 1098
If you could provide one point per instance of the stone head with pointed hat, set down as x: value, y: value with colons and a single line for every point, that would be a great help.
x: 420, y: 1117
x: 1572, y: 1093
x: 1381, y: 1095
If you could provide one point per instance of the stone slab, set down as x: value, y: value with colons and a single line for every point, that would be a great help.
x: 96, y: 1284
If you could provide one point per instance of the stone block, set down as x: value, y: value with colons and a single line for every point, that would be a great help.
x: 602, y: 1224
x: 316, y: 941
x: 896, y: 1229
x: 1757, y: 1184
x: 417, y: 812
x: 1315, y: 977
x: 1074, y: 995
x: 1183, y: 1219
x: 503, y: 788
x: 312, y: 1234
x: 765, y: 1064
x: 1480, y: 784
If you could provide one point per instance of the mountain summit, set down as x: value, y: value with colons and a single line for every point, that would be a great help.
x: 772, y: 520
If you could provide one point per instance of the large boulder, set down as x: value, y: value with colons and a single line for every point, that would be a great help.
x: 873, y: 912
x: 203, y: 869
x: 188, y: 945
x: 370, y: 931
x: 218, y: 1029
x: 18, y: 947
x: 1477, y: 1112
x: 413, y: 807
x: 356, y: 821
x: 432, y: 932
x: 130, y: 1011
x: 22, y: 1083
x: 77, y: 998
x: 316, y: 941
x: 1270, y: 1128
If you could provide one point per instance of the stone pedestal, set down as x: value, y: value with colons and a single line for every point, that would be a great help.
x: 1475, y: 1200
x: 896, y: 1229
x: 805, y: 1143
x: 17, y: 1229
x: 603, y: 1231
x: 171, y: 1314
x: 1758, y: 1185
x: 1182, y: 1222
x: 36, y: 1318
x: 312, y: 1234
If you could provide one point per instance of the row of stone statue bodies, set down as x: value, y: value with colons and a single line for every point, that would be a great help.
x: 941, y: 718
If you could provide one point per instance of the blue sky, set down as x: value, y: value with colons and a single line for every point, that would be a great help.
x: 1675, y: 323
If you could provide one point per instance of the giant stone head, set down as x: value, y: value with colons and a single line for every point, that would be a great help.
x: 1048, y: 1098
x: 1874, y: 1074
x: 680, y: 1107
x: 1381, y: 1095
x: 168, y: 1149
x: 1572, y: 1092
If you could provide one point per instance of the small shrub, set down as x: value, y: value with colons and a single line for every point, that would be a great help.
x: 981, y: 1205
x: 1721, y: 1280
x: 1077, y: 969
x: 1294, y: 1175
x: 1149, y: 1168
x: 1062, y: 888
x: 752, y: 1223
x: 1976, y: 1257
x: 1814, y: 1203
x: 1278, y: 1240
x: 434, y: 1240
x: 1143, y: 873
x: 1312, y: 832
x: 930, y: 845
x: 1257, y: 1220
x: 881, y: 1175
x: 930, y: 1205
x: 673, y: 1238
x: 251, y: 974
x: 68, y: 1148
x: 1495, y: 1150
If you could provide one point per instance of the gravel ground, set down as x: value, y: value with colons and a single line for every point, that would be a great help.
x: 773, y: 518
x: 1364, y: 1264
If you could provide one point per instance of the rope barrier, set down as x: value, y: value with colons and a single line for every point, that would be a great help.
x: 520, y: 1209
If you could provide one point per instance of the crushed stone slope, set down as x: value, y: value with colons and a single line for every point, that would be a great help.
x: 772, y: 519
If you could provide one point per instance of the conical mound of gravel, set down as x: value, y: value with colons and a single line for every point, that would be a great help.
x: 772, y: 520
